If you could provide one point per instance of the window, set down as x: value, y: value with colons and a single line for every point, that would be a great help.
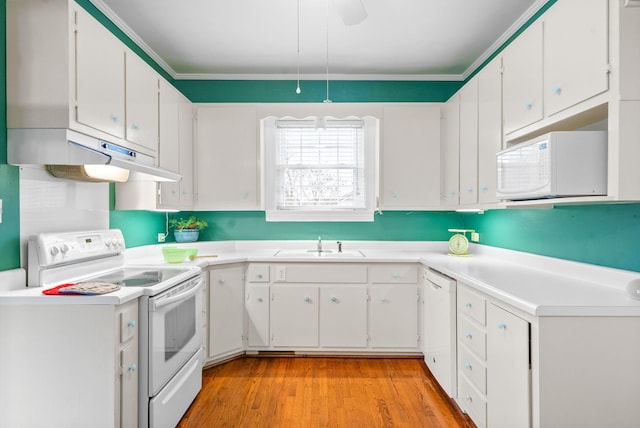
x: 320, y: 169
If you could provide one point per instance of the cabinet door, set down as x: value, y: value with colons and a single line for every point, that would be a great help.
x: 410, y: 157
x: 469, y: 143
x: 226, y: 310
x: 169, y: 149
x: 489, y: 129
x: 129, y: 385
x: 508, y: 388
x: 227, y: 158
x: 343, y: 316
x: 294, y: 316
x: 257, y: 308
x: 393, y: 319
x: 142, y: 103
x: 575, y: 53
x: 450, y: 155
x: 186, y: 153
x: 100, y: 96
x: 522, y: 79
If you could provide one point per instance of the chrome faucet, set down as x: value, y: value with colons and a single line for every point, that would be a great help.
x: 339, y: 246
x: 319, y: 244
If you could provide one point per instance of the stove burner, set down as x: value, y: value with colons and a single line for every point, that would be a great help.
x: 132, y: 277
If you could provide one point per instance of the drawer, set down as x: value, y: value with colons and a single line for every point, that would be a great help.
x: 128, y: 322
x: 472, y: 304
x: 394, y: 273
x: 472, y: 402
x: 473, y: 336
x: 258, y: 273
x: 473, y: 368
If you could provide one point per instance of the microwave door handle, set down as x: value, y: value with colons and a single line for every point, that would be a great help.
x: 169, y: 300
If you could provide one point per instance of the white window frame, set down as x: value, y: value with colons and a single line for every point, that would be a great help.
x: 271, y: 189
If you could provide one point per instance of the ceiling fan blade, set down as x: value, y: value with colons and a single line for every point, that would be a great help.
x: 351, y: 11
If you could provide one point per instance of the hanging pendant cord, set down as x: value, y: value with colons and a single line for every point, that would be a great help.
x: 328, y: 100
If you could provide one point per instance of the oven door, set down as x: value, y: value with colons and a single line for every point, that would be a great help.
x: 175, y: 331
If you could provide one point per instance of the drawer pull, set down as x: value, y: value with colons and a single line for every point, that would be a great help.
x: 307, y: 299
x: 259, y: 299
x: 469, y: 399
x: 334, y: 299
x: 259, y: 276
x: 469, y: 336
x: 132, y: 323
x: 468, y: 366
x: 468, y: 305
x: 221, y: 280
x: 502, y: 326
x: 132, y: 367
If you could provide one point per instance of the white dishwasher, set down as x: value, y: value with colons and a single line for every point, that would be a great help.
x: 439, y: 319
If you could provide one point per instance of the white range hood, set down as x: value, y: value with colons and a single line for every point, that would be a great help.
x: 62, y: 149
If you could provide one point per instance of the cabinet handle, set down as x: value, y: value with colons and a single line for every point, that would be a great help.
x: 259, y: 276
x: 334, y: 299
x: 132, y: 323
x: 136, y: 127
x: 467, y: 305
x: 484, y: 188
x: 468, y: 336
x: 557, y: 90
x: 384, y: 300
x: 468, y: 366
x: 469, y: 190
x: 259, y: 299
x: 307, y: 299
x: 528, y: 106
x: 132, y: 368
x: 469, y: 399
x: 221, y: 280
x: 502, y: 326
x: 115, y: 118
x: 395, y: 276
x: 394, y: 194
x: 245, y: 195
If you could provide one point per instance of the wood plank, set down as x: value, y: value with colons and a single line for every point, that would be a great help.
x: 322, y: 392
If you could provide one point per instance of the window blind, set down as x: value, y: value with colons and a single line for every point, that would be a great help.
x: 320, y: 167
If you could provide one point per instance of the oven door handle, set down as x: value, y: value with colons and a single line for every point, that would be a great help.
x: 157, y: 304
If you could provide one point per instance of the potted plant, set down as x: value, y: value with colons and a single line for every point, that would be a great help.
x: 187, y: 230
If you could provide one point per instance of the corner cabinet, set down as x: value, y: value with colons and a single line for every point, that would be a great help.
x: 83, y: 78
x: 410, y: 157
x: 64, y: 346
x: 225, y: 312
x: 227, y: 157
x: 333, y: 307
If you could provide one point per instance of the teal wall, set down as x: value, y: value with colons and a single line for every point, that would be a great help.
x: 605, y: 235
x: 9, y: 177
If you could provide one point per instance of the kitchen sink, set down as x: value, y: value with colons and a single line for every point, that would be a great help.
x: 332, y: 254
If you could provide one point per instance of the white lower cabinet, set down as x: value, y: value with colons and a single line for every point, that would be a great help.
x: 294, y: 315
x: 343, y: 316
x: 393, y: 322
x: 508, y: 374
x: 226, y: 302
x: 494, y: 373
x: 257, y: 315
x: 78, y: 365
x: 332, y: 307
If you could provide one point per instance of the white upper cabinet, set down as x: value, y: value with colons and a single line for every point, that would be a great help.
x: 185, y: 115
x: 489, y: 129
x: 410, y: 157
x: 226, y: 158
x: 170, y: 145
x: 142, y: 102
x: 100, y: 66
x: 83, y: 78
x: 522, y: 79
x: 450, y: 152
x: 469, y: 143
x: 575, y: 53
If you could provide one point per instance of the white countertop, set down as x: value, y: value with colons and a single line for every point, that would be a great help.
x: 536, y: 285
x: 34, y: 296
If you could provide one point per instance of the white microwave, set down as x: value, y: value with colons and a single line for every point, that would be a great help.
x: 554, y: 165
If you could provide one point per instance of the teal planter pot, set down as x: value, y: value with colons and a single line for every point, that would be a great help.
x: 186, y: 235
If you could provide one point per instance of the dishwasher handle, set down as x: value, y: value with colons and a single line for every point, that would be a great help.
x: 439, y: 281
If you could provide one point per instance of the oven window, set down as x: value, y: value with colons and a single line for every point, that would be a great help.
x: 180, y: 327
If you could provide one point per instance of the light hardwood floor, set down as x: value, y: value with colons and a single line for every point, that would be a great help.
x: 322, y: 392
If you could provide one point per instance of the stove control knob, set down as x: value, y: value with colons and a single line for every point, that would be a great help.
x: 54, y: 251
x: 107, y: 242
x: 64, y: 248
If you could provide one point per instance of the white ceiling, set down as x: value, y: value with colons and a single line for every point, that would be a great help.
x: 258, y: 39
